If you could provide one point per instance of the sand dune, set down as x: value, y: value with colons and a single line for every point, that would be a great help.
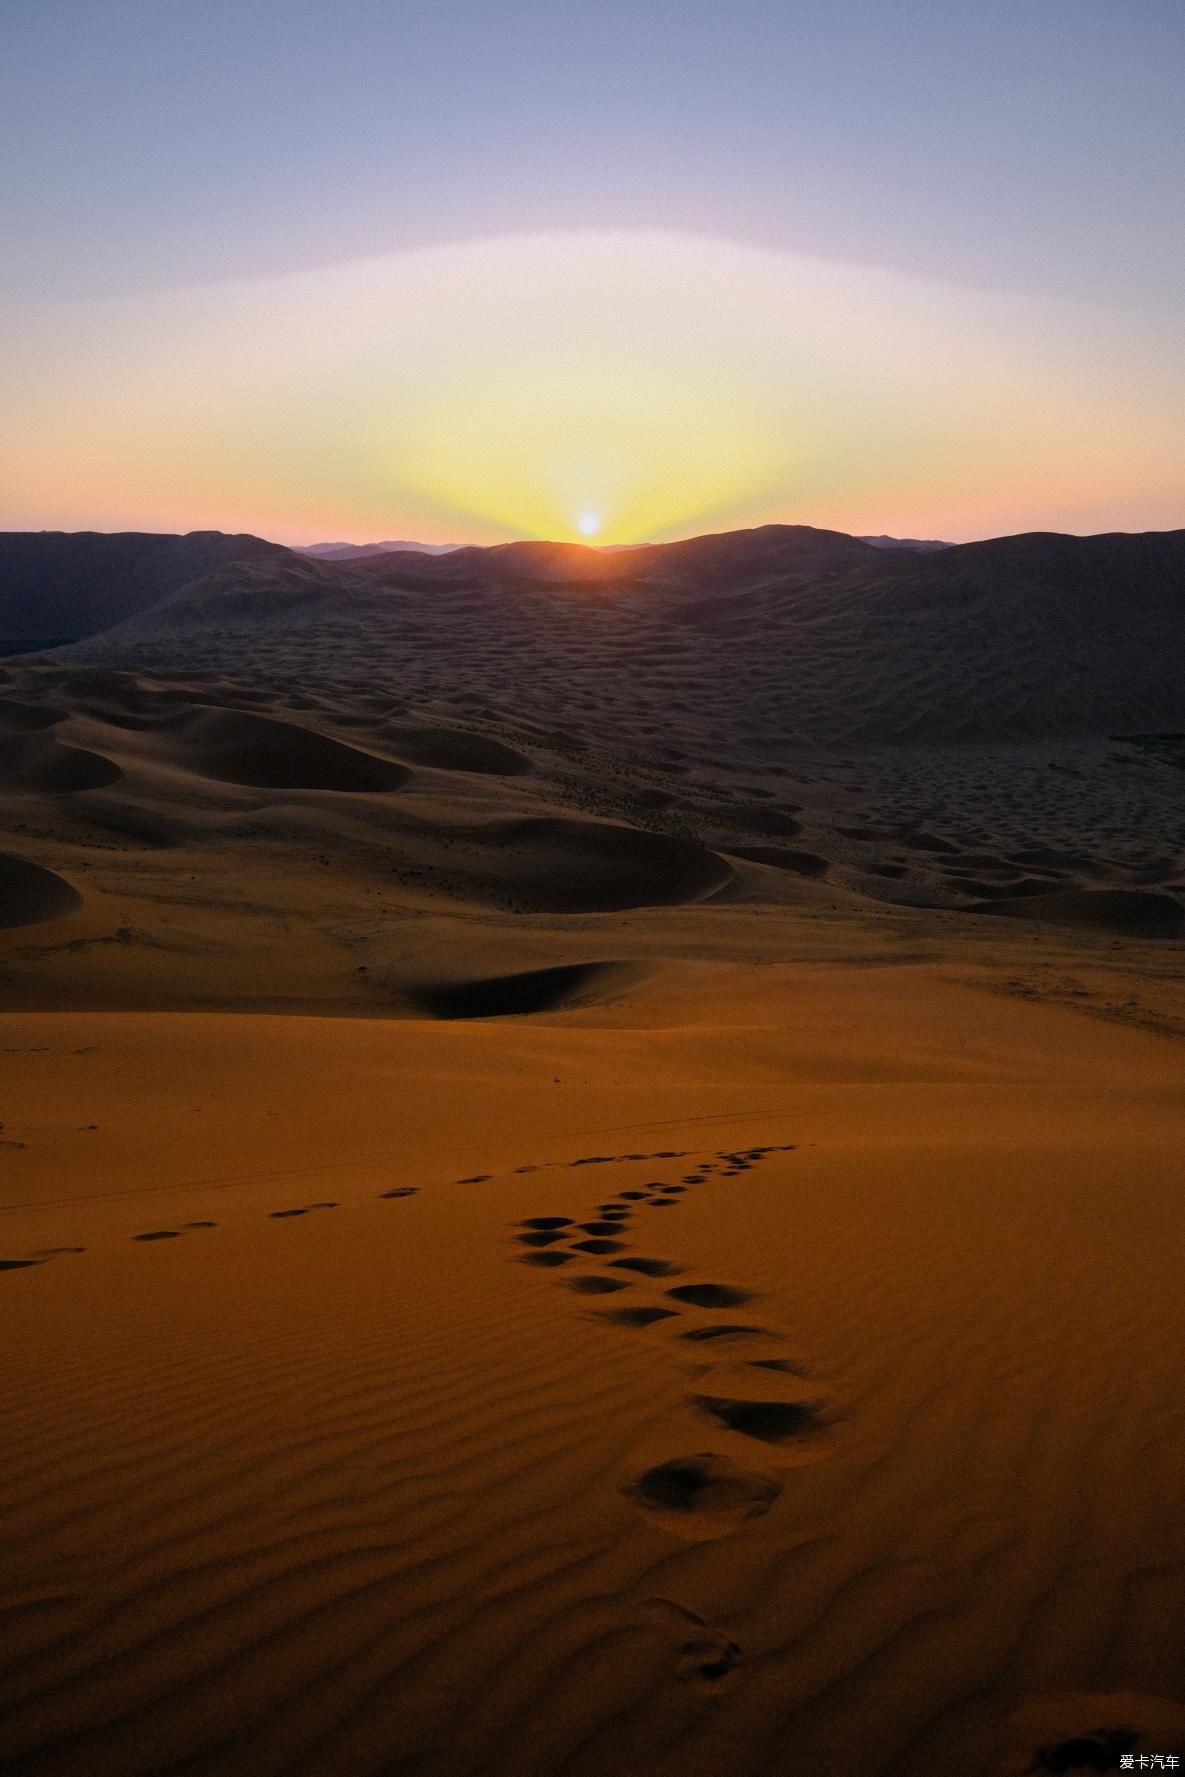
x: 247, y: 749
x: 531, y: 990
x: 571, y: 1200
x: 30, y: 894
x: 1128, y: 911
x: 832, y: 640
x: 37, y: 763
x: 451, y: 749
x: 816, y: 1448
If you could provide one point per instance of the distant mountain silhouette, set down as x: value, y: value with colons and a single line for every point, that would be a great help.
x: 801, y: 635
x: 352, y: 551
x: 883, y: 542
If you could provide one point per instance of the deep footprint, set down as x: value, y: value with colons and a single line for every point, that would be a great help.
x: 770, y: 1422
x: 710, y: 1295
x: 648, y: 1267
x: 703, y: 1486
x: 595, y: 1286
x: 635, y: 1317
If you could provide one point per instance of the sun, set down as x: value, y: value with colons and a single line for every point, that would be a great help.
x: 588, y: 524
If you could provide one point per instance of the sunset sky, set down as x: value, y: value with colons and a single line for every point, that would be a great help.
x: 467, y: 272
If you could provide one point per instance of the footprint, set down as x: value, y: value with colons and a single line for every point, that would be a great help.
x: 605, y: 1227
x: 48, y: 1252
x: 1082, y: 1732
x: 195, y: 1225
x: 595, y: 1286
x: 598, y: 1246
x: 710, y: 1295
x: 635, y: 1317
x: 168, y: 1233
x: 401, y: 1191
x: 673, y: 1190
x: 632, y: 1196
x: 649, y: 1267
x: 548, y: 1258
x: 663, y: 1203
x: 702, y: 1495
x: 546, y: 1222
x: 538, y: 1238
x: 728, y: 1330
x: 770, y: 1422
x: 703, y: 1656
x: 478, y: 1178
x: 279, y: 1215
x: 23, y: 1264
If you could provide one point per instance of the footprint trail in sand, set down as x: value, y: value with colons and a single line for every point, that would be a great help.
x: 744, y: 1419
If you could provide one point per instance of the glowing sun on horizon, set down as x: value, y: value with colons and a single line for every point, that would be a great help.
x: 588, y: 524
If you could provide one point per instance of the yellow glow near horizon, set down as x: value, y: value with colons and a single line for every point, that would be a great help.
x: 565, y: 444
x: 622, y: 387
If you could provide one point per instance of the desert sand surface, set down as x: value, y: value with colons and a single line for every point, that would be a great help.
x: 570, y: 1206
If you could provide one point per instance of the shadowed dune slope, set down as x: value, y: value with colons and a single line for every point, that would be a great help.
x: 557, y: 865
x: 1132, y: 913
x: 530, y: 990
x: 828, y: 638
x: 237, y: 747
x: 35, y: 764
x: 30, y: 894
x: 451, y: 749
x: 57, y: 583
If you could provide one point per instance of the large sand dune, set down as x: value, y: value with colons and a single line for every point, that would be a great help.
x: 816, y: 636
x: 572, y: 1202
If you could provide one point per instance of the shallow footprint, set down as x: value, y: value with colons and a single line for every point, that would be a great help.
x: 703, y: 1656
x: 23, y: 1264
x: 401, y: 1191
x: 729, y: 1329
x: 596, y: 1286
x: 598, y: 1246
x: 163, y: 1233
x: 703, y: 1495
x: 545, y: 1221
x: 547, y: 1258
x: 538, y: 1238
